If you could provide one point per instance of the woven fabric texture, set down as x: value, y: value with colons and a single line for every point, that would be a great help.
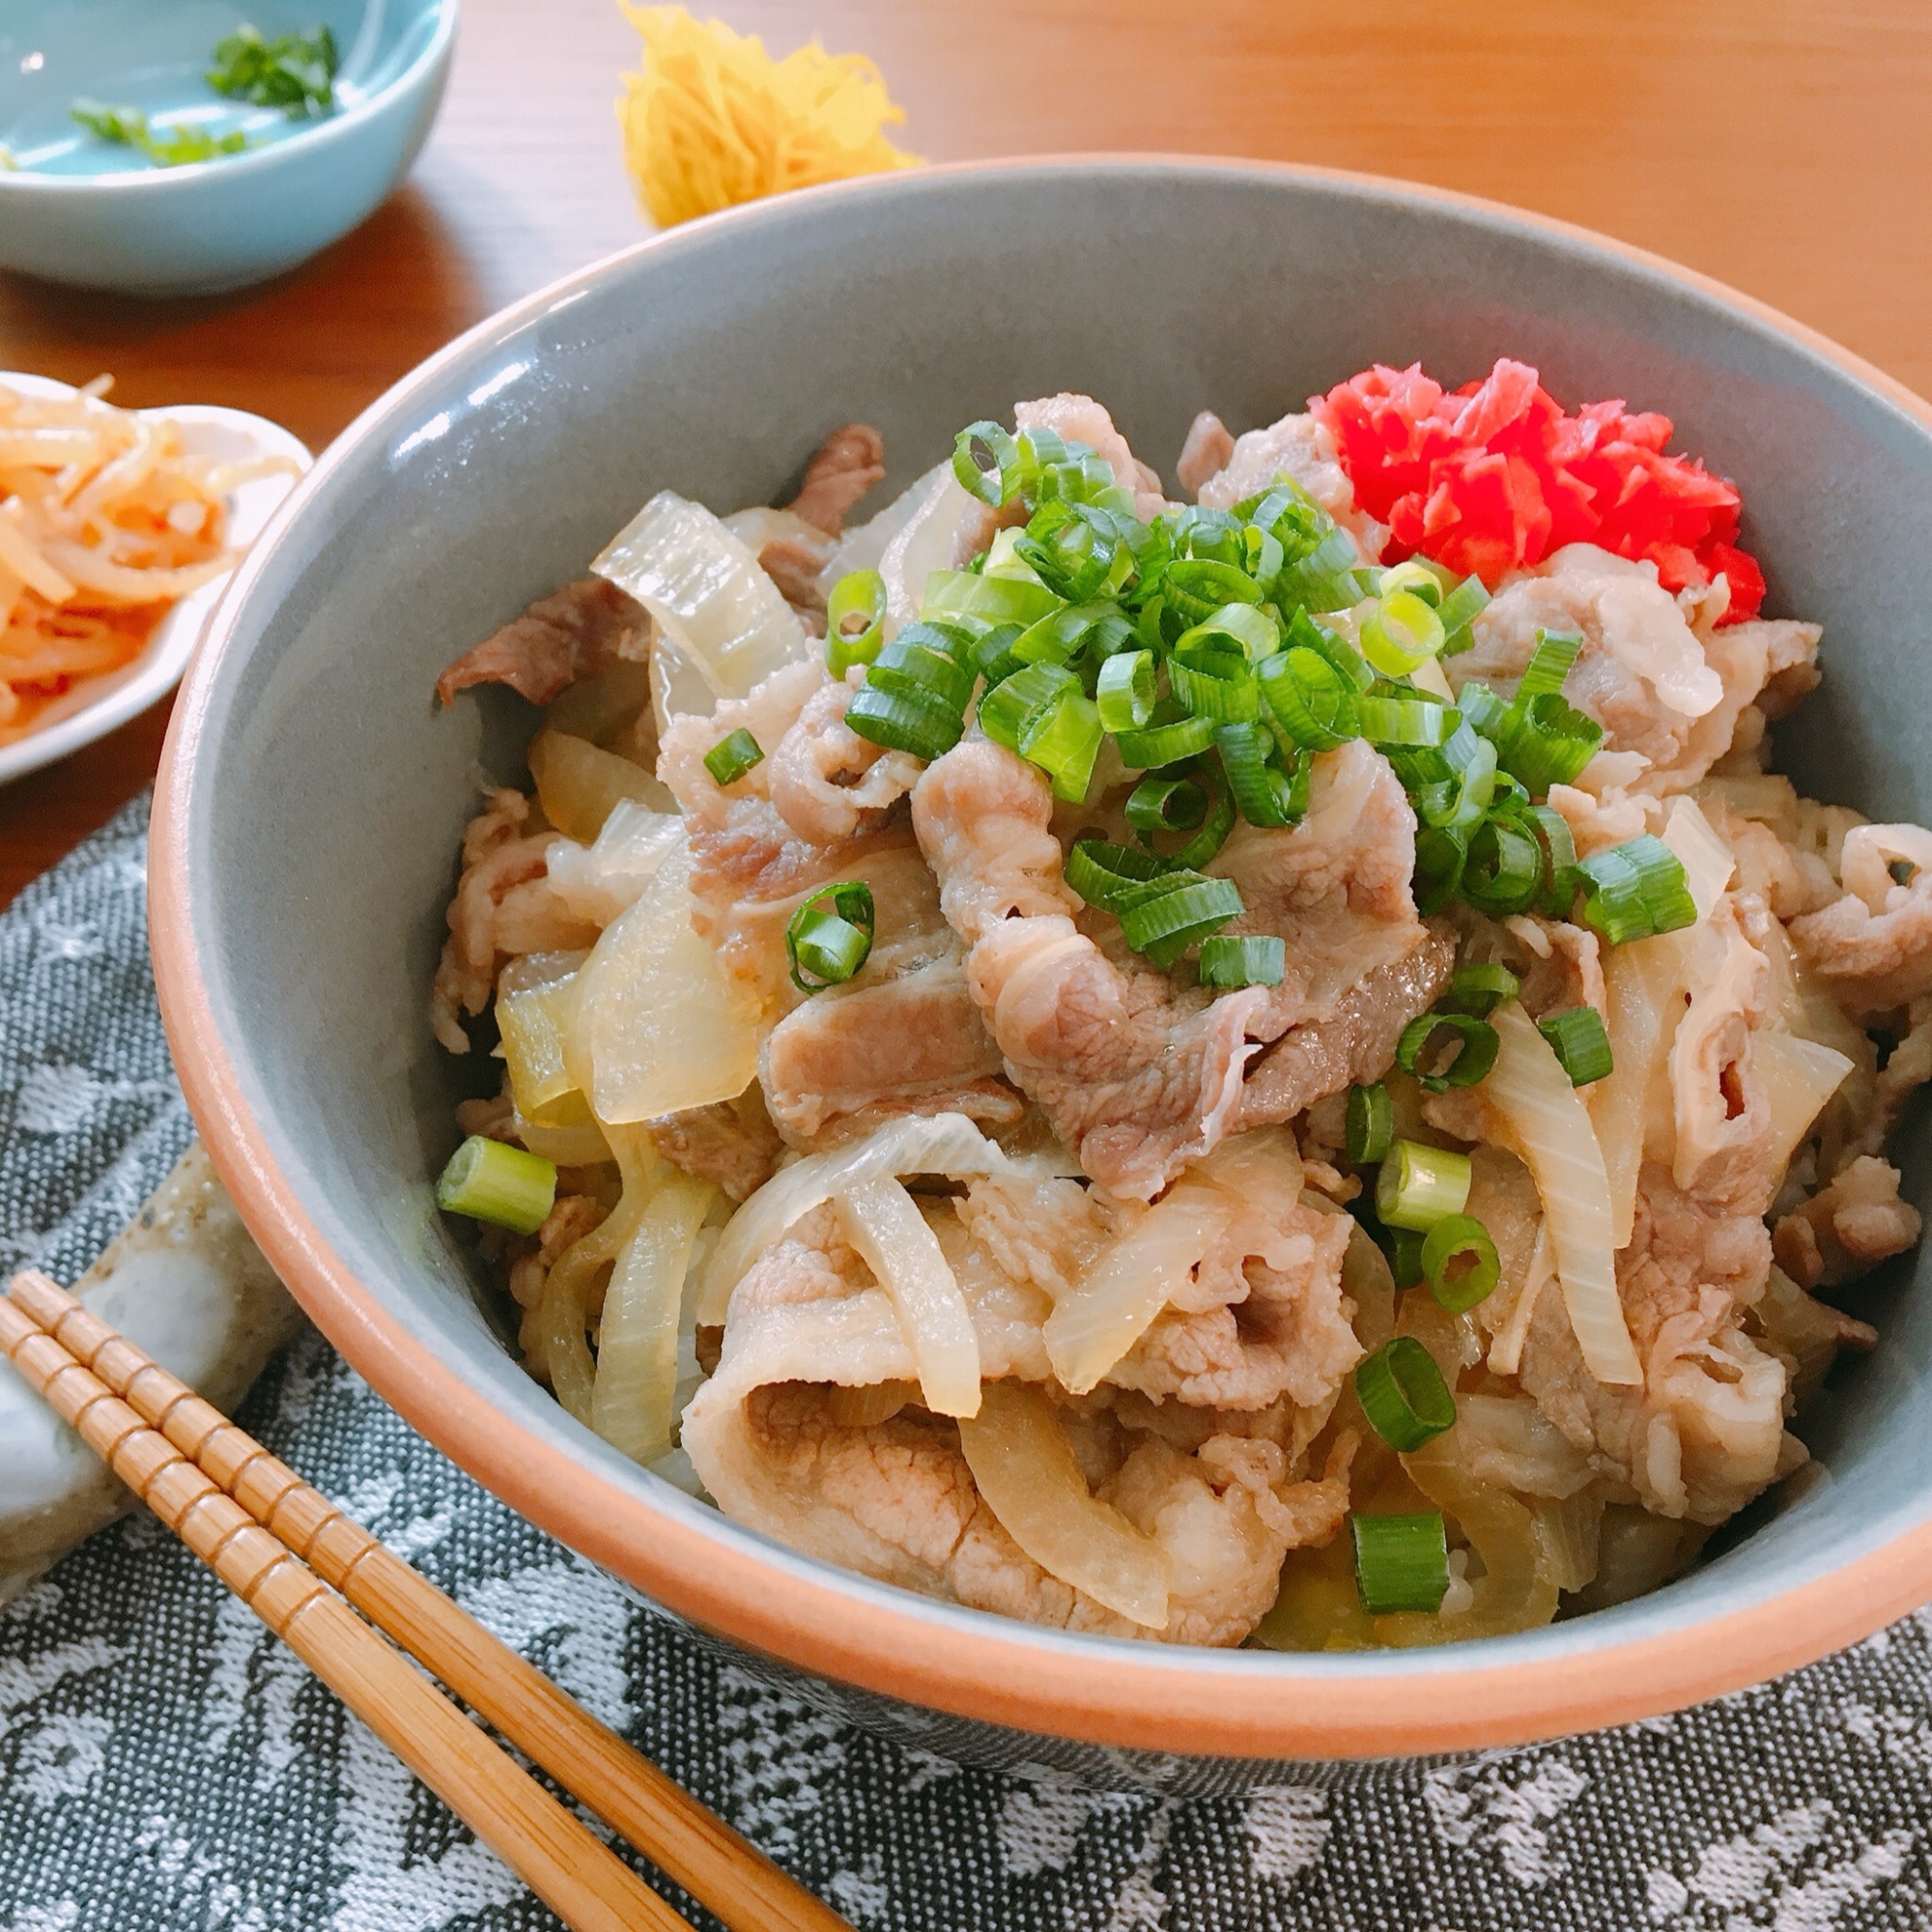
x: 165, y: 1766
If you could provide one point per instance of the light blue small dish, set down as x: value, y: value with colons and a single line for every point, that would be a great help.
x: 78, y: 209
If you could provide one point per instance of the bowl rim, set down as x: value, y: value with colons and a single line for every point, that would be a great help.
x: 848, y: 1628
x: 308, y: 139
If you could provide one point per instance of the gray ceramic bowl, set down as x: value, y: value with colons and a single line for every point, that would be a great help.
x: 313, y: 797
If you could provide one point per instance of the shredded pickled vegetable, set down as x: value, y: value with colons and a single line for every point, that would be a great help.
x: 106, y: 521
x: 713, y: 120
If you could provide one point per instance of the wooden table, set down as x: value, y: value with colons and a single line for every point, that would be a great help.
x: 1778, y: 144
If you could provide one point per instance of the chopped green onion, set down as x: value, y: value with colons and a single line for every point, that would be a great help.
x: 1215, y: 684
x: 1504, y: 869
x: 855, y: 620
x: 1561, y: 880
x: 1076, y: 551
x: 1126, y: 691
x: 1635, y: 890
x: 988, y: 464
x: 1251, y: 631
x: 1406, y: 721
x: 1171, y: 737
x: 1580, y: 1043
x: 1475, y: 1053
x: 1547, y: 741
x: 920, y: 722
x: 490, y: 1181
x: 733, y: 757
x: 1309, y: 698
x: 1402, y: 1394
x: 1549, y: 664
x: 1198, y: 587
x: 1165, y: 928
x: 1254, y: 960
x: 1483, y: 709
x: 1265, y: 793
x: 1064, y: 741
x: 925, y: 660
x: 1439, y: 858
x: 1021, y: 700
x: 1370, y: 1123
x: 830, y: 936
x: 1416, y: 577
x: 1459, y: 1263
x: 1458, y: 609
x: 1042, y: 449
x: 1401, y: 633
x: 1421, y: 1186
x: 1402, y: 1562
x: 1404, y: 1248
x: 1347, y: 663
x: 1063, y: 632
x: 1167, y: 805
x: 1324, y: 578
x: 1458, y: 804
x: 1104, y: 876
x: 992, y: 653
x: 1479, y: 990
x: 1215, y: 830
x: 962, y: 597
x: 1000, y: 560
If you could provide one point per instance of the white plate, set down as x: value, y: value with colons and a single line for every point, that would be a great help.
x: 96, y: 706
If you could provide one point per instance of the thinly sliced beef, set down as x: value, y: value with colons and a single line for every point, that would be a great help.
x: 823, y: 807
x: 578, y: 631
x: 1673, y: 694
x: 1352, y: 1044
x: 1704, y: 1433
x: 858, y: 1054
x: 1139, y: 1076
x: 1139, y: 1071
x: 731, y: 1142
x: 842, y: 469
x: 1873, y: 958
x: 1299, y: 447
x: 1207, y: 452
x: 504, y: 904
x: 1846, y: 1229
x: 810, y: 1429
x: 845, y: 466
x: 1081, y: 419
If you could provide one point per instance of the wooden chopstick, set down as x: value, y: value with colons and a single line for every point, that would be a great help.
x: 689, y: 1845
x: 587, y: 1886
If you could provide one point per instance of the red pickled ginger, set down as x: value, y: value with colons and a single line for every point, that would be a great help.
x: 1496, y: 476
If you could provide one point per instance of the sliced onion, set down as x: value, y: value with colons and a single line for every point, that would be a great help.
x: 723, y: 616
x: 923, y: 543
x: 1643, y: 988
x: 658, y: 1027
x: 883, y: 1223
x: 1707, y: 861
x: 1515, y: 1591
x: 1025, y: 1469
x: 631, y: 1402
x: 1132, y: 1279
x: 1548, y: 1126
x: 602, y: 881
x: 947, y: 1143
x: 1799, y: 1077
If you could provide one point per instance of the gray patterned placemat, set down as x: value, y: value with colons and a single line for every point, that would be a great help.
x: 165, y: 1766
